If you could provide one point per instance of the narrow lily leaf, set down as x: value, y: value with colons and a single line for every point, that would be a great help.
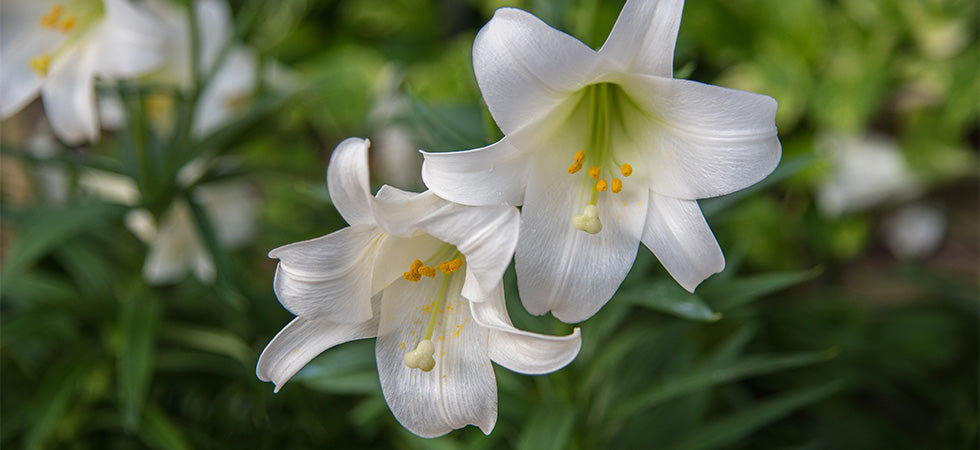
x: 668, y: 297
x: 47, y: 228
x: 550, y: 427
x: 160, y: 432
x: 211, y: 340
x: 347, y: 369
x: 204, y: 224
x: 55, y: 392
x: 139, y: 317
x: 704, y: 377
x: 737, y: 292
x: 730, y: 429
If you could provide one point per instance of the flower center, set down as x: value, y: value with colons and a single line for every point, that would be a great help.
x: 70, y: 21
x: 422, y: 357
x: 603, y: 104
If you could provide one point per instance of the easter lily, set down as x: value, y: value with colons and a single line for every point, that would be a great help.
x: 604, y: 149
x: 421, y: 274
x: 57, y: 49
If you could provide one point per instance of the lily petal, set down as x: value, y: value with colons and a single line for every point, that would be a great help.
x: 302, y: 340
x: 348, y: 181
x: 398, y: 212
x: 643, y: 38
x: 705, y: 140
x: 328, y: 276
x: 69, y: 95
x: 564, y: 270
x: 131, y: 42
x: 491, y: 175
x: 461, y: 389
x: 486, y: 235
x: 678, y: 235
x: 18, y: 83
x: 525, y: 68
x: 518, y: 350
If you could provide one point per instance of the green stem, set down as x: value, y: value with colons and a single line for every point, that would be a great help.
x: 437, y: 306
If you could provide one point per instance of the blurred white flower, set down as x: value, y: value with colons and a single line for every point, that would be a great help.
x: 393, y: 144
x: 60, y: 48
x: 174, y: 244
x: 914, y: 231
x: 437, y: 329
x: 605, y: 150
x: 864, y: 172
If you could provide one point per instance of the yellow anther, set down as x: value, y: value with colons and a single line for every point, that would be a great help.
x: 68, y: 24
x: 594, y: 172
x: 449, y: 267
x: 50, y: 20
x: 414, y: 273
x: 39, y: 64
x: 575, y: 167
x: 427, y: 271
x: 579, y: 157
x: 601, y: 185
x: 626, y: 169
x: 617, y: 185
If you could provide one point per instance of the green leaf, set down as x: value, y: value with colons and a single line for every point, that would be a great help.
x: 346, y: 369
x: 139, y: 318
x: 728, y: 430
x: 46, y: 228
x: 550, y: 427
x: 710, y: 374
x: 54, y: 394
x: 211, y: 340
x: 160, y: 432
x: 668, y: 297
x: 733, y: 293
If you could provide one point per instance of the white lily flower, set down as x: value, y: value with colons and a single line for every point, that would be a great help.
x: 59, y: 48
x: 604, y: 149
x: 424, y: 276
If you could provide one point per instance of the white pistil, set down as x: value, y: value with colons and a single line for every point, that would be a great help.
x: 588, y: 221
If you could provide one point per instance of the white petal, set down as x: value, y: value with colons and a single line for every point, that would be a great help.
x: 214, y: 24
x: 519, y: 350
x: 233, y: 208
x: 18, y: 83
x: 643, y: 38
x: 232, y: 82
x: 348, y: 181
x: 486, y: 235
x: 328, y: 276
x: 564, y: 270
x: 525, y: 68
x: 69, y: 95
x: 132, y: 40
x: 302, y: 340
x: 677, y: 233
x: 461, y: 389
x: 176, y: 248
x: 398, y: 212
x: 704, y: 140
x: 492, y: 175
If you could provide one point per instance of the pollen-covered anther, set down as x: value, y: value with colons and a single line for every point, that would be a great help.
x: 588, y: 221
x: 39, y: 64
x: 449, y: 267
x: 421, y: 358
x: 594, y: 172
x: 427, y: 271
x: 575, y: 167
x: 626, y: 170
x: 579, y: 157
x: 617, y: 185
x: 50, y: 20
x: 601, y: 185
x: 68, y: 24
x: 413, y: 273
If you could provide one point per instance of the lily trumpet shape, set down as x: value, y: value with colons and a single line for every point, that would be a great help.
x: 58, y: 49
x: 604, y: 149
x: 424, y: 276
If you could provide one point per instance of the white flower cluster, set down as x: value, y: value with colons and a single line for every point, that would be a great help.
x: 602, y: 150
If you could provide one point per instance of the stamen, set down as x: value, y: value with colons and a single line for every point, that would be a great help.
x: 413, y: 273
x: 579, y: 157
x: 588, y: 221
x: 39, y: 64
x: 575, y: 167
x: 617, y: 185
x: 601, y: 185
x: 626, y: 169
x: 427, y: 271
x: 449, y: 267
x: 50, y: 20
x: 594, y: 172
x: 68, y: 24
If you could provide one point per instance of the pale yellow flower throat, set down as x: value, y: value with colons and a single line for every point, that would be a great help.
x: 422, y: 357
x: 600, y: 99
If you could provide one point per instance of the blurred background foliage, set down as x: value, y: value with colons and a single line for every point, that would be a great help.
x: 853, y: 325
